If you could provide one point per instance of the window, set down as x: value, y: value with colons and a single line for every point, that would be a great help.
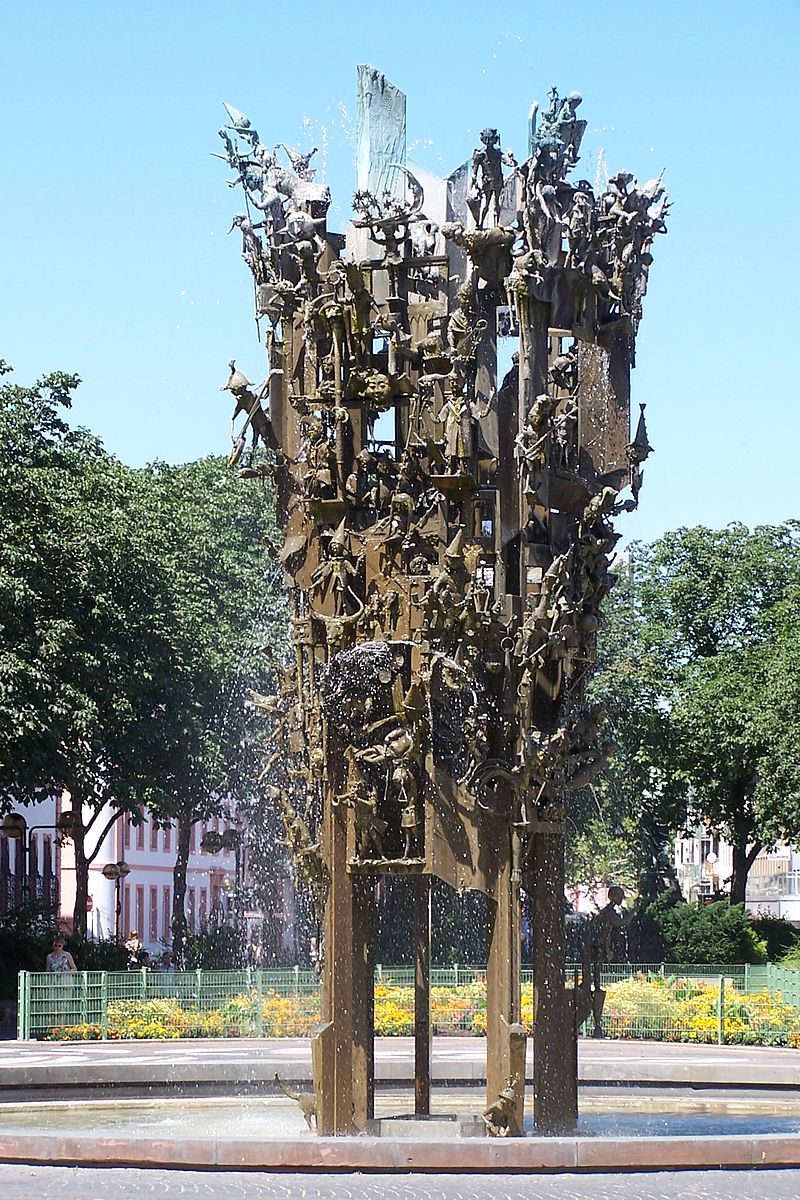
x: 167, y: 838
x: 153, y: 835
x: 193, y: 909
x: 126, y: 910
x: 166, y: 915
x: 193, y: 840
x: 127, y: 822
x: 140, y: 837
x: 153, y: 913
x: 140, y: 909
x: 203, y: 907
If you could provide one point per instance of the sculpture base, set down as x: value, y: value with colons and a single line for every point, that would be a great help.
x: 422, y: 1128
x: 386, y: 866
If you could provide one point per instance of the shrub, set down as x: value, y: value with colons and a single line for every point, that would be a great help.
x: 26, y: 936
x: 792, y: 958
x: 711, y: 933
x: 779, y: 936
x: 220, y: 948
x: 98, y: 956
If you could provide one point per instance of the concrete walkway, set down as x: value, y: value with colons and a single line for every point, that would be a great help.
x: 42, y: 1071
x: 253, y: 1062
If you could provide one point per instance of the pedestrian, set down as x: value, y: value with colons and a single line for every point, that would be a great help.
x: 59, y: 960
x: 134, y: 947
x: 60, y: 967
x: 166, y: 966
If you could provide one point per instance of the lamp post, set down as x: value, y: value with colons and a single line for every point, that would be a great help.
x: 231, y: 839
x: 117, y: 872
x: 713, y: 870
x: 15, y: 826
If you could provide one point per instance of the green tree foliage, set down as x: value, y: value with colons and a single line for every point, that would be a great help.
x: 227, y: 619
x: 78, y: 587
x: 719, y: 606
x: 700, y: 668
x: 619, y: 825
x: 129, y: 603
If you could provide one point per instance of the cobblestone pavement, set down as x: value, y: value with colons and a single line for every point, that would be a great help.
x: 122, y: 1183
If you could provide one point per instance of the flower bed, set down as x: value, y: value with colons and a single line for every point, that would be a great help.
x: 653, y: 1006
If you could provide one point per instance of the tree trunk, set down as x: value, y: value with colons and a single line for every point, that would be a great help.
x: 183, y: 837
x: 743, y: 859
x: 81, y: 879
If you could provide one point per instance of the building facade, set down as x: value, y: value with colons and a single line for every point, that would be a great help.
x: 704, y: 865
x: 37, y: 862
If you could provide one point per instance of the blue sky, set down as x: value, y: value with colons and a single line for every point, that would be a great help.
x: 116, y: 264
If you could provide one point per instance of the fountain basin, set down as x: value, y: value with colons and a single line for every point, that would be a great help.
x: 268, y: 1133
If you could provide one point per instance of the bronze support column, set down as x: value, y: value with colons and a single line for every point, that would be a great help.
x: 422, y: 995
x: 505, y: 1037
x: 555, y: 1067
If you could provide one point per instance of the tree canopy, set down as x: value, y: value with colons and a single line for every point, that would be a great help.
x: 701, y: 674
x: 130, y: 604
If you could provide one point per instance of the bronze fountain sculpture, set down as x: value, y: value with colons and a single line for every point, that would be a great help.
x: 447, y: 539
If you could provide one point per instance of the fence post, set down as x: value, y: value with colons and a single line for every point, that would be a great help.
x: 23, y: 992
x: 84, y: 1013
x: 721, y: 1012
x: 296, y: 979
x: 198, y: 989
x: 747, y: 977
x: 260, y: 1002
x: 104, y: 1006
x: 455, y: 974
x: 378, y: 972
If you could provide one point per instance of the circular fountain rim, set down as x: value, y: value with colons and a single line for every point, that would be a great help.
x: 309, y: 1152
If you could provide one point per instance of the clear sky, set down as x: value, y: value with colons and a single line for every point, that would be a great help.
x: 115, y: 259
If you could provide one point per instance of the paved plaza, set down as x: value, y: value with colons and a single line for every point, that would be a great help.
x: 749, y: 1098
x: 454, y: 1060
x: 104, y: 1183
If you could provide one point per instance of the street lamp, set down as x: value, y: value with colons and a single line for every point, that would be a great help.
x: 15, y: 826
x: 711, y: 863
x: 117, y: 872
x: 211, y: 842
x: 231, y: 839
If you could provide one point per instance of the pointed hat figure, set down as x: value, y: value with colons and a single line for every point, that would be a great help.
x: 638, y: 450
x: 339, y: 538
x: 237, y: 380
x: 455, y: 550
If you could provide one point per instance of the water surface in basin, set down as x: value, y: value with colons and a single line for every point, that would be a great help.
x: 273, y: 1117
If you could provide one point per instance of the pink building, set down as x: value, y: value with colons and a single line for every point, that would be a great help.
x: 39, y: 863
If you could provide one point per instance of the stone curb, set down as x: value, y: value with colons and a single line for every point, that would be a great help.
x: 682, y: 1074
x: 532, y: 1155
x: 255, y: 1061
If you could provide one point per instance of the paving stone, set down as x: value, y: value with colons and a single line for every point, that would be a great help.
x: 68, y: 1183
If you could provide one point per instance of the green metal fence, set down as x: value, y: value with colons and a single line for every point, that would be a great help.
x: 672, y: 1002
